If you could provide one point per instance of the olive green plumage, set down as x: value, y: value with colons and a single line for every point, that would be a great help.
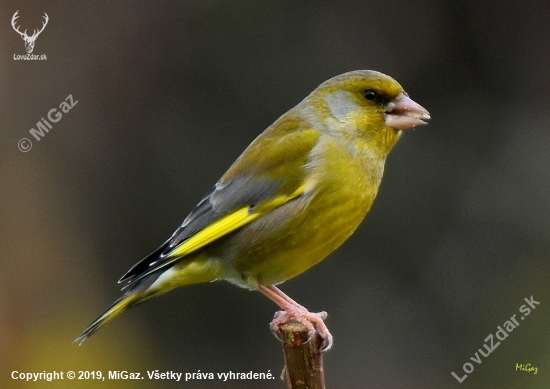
x: 295, y: 195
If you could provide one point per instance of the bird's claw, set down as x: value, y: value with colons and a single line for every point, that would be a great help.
x: 277, y: 334
x: 313, y: 321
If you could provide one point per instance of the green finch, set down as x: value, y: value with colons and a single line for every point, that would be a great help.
x: 294, y: 196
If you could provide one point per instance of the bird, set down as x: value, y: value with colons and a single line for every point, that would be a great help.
x: 296, y: 194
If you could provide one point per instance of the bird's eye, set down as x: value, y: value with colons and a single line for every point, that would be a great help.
x: 370, y: 94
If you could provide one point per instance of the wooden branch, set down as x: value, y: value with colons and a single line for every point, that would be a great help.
x: 303, y: 361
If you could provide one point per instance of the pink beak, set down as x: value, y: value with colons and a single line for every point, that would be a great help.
x: 404, y: 113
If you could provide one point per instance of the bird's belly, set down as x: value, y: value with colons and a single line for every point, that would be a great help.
x: 294, y: 237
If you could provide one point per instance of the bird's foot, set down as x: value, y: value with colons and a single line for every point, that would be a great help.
x: 313, y: 321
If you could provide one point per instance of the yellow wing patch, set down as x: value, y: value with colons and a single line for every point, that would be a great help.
x: 230, y: 223
x: 215, y: 231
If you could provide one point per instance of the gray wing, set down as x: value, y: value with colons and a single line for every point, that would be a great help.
x: 223, y: 199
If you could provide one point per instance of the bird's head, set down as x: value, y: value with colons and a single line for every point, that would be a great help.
x: 366, y: 104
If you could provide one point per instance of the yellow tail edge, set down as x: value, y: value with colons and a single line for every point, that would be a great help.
x: 113, y: 311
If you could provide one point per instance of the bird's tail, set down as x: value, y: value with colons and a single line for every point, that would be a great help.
x: 126, y: 301
x: 195, y: 270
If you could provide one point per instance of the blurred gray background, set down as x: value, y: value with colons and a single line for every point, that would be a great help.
x: 170, y: 93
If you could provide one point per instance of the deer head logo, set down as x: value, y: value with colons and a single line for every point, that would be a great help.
x: 29, y: 40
